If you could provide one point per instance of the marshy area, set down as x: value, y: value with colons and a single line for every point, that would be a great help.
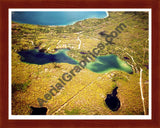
x: 41, y: 54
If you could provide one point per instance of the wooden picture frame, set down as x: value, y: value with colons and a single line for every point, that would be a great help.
x: 4, y: 45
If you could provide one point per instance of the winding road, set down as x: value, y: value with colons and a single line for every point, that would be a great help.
x: 141, y: 89
x: 79, y: 46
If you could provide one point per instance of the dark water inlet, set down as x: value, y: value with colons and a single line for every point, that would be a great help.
x: 38, y: 111
x: 37, y: 57
x: 112, y: 100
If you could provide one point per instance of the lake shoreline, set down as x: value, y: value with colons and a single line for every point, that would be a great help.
x: 16, y: 18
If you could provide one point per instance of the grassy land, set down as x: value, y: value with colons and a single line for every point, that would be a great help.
x: 86, y: 92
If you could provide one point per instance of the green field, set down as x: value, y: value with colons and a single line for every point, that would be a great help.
x: 85, y: 94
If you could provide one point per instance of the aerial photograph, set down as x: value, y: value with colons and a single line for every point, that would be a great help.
x: 79, y: 62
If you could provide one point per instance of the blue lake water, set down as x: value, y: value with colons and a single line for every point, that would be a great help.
x: 55, y: 17
x: 36, y: 57
x: 102, y: 64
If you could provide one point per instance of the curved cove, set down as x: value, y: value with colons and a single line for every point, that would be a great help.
x: 55, y: 17
x: 102, y: 64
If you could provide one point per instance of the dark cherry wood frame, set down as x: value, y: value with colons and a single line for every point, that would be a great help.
x: 6, y: 4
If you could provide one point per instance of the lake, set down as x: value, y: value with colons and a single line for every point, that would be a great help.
x: 36, y: 57
x: 55, y: 17
x: 109, y: 63
x: 102, y: 64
